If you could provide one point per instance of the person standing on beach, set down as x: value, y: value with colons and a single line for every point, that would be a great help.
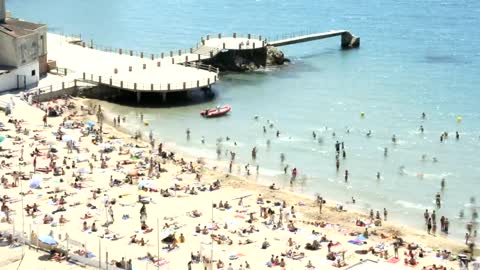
x: 429, y: 225
x: 45, y: 120
x: 35, y: 163
x: 230, y: 167
x: 254, y: 153
x: 385, y: 213
x: 426, y: 216
x: 110, y: 213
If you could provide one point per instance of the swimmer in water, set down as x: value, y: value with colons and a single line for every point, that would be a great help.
x: 203, y: 140
x: 434, y: 160
x: 424, y: 157
x: 369, y: 133
x: 394, y: 139
x: 278, y: 133
x: 188, y: 133
x: 442, y: 184
x: 282, y: 157
x: 353, y: 200
x: 424, y: 115
x: 457, y: 135
x: 264, y: 129
x: 385, y: 152
x: 378, y: 175
x: 401, y: 170
x: 314, y: 135
x: 255, y: 117
x: 268, y: 143
x: 422, y: 129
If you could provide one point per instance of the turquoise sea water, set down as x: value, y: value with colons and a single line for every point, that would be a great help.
x: 415, y: 56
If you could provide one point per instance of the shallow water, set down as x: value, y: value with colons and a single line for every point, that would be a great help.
x: 415, y: 56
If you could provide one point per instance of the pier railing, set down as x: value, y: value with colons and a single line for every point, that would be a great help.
x: 153, y: 56
x: 150, y: 87
x: 290, y: 35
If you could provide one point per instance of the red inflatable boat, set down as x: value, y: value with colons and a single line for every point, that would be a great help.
x: 216, y: 112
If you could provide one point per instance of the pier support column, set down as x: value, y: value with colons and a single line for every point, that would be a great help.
x: 164, y: 97
x: 139, y: 96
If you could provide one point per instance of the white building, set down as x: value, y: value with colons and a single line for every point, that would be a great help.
x: 23, y: 52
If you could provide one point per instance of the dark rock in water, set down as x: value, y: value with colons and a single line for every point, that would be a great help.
x: 247, y: 60
x: 275, y: 56
x: 350, y: 41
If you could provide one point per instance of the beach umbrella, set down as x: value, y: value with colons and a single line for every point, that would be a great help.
x: 82, y: 171
x: 105, y: 145
x: 90, y: 123
x: 36, y: 181
x: 67, y: 138
x: 146, y: 184
x: 2, y: 138
x: 47, y: 239
x: 136, y: 150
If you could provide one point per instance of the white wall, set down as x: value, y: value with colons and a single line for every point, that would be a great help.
x: 8, y: 81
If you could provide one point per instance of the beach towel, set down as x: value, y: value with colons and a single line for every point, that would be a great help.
x: 355, y: 242
x: 160, y: 263
x: 393, y: 260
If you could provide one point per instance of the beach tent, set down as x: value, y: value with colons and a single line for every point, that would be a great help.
x: 36, y: 181
x: 47, y: 239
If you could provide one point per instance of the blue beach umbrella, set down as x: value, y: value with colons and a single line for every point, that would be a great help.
x: 47, y: 239
x: 90, y: 123
x: 36, y: 181
x: 2, y: 138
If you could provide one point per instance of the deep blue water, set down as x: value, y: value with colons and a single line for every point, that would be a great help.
x: 415, y: 56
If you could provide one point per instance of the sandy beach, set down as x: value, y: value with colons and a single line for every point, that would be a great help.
x: 146, y: 207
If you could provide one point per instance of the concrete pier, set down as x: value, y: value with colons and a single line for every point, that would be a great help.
x: 347, y: 39
x: 174, y: 71
x: 129, y: 73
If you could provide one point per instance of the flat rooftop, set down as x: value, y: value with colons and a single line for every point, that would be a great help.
x: 18, y: 28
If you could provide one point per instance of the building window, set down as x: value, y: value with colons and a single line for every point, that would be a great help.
x: 33, y: 72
